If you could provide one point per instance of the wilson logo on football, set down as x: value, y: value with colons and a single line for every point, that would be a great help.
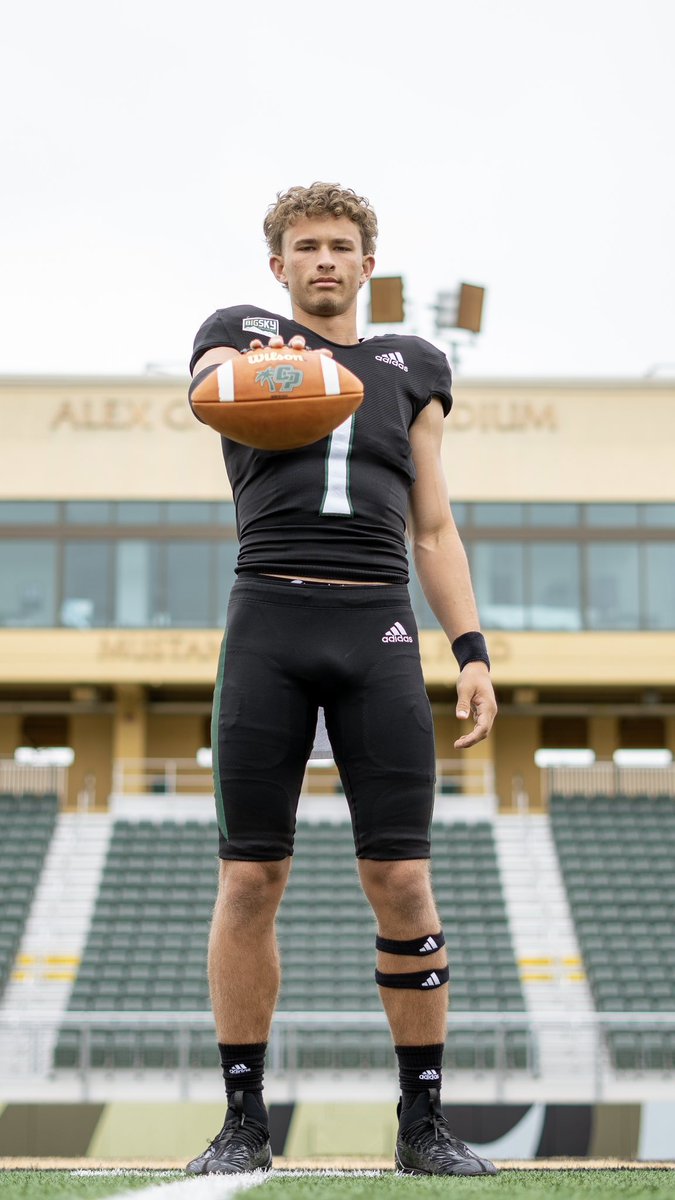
x: 283, y: 378
x: 396, y: 634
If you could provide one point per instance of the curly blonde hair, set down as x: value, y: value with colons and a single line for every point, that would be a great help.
x: 319, y: 200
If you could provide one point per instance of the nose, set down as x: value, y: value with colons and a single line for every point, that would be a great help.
x: 326, y: 260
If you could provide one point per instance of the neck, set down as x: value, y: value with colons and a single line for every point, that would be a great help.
x: 340, y: 328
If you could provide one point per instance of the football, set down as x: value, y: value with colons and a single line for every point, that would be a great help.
x: 276, y: 398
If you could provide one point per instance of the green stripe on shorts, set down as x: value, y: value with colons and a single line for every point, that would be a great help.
x: 215, y: 720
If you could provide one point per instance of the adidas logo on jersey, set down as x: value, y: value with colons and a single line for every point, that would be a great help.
x: 239, y: 1069
x: 428, y: 947
x: 432, y: 981
x: 396, y: 634
x: 430, y: 1074
x: 393, y: 358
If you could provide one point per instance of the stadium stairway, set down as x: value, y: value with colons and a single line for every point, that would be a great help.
x: 544, y: 938
x: 55, y: 934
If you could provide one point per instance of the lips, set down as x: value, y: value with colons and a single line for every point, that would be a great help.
x: 326, y: 283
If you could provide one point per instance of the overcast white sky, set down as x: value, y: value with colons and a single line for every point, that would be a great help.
x: 525, y: 145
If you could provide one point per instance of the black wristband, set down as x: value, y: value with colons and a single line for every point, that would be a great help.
x: 470, y: 647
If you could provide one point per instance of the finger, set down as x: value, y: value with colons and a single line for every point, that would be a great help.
x: 276, y: 341
x: 464, y: 699
x: 478, y: 734
x: 483, y: 712
x: 298, y: 342
x: 324, y: 350
x: 255, y: 344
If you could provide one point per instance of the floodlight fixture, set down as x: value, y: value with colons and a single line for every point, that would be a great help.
x: 461, y: 309
x: 386, y: 300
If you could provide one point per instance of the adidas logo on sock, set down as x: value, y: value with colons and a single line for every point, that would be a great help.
x: 430, y: 1074
x: 396, y: 634
x: 428, y: 946
x: 238, y: 1069
x: 432, y: 981
x: 393, y: 358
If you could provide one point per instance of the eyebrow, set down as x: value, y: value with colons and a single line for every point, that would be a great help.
x: 306, y: 241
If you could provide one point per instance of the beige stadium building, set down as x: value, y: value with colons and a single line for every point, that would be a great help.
x: 117, y: 553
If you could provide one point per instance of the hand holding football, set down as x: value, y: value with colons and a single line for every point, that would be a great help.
x: 276, y: 397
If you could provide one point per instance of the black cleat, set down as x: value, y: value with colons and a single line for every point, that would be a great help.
x: 243, y: 1144
x: 425, y: 1145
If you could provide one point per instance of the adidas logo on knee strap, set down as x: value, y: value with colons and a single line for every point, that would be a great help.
x: 424, y: 945
x: 424, y: 980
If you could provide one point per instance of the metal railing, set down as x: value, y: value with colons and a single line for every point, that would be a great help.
x: 607, y: 778
x: 457, y: 776
x: 161, y: 775
x: 21, y: 778
x: 185, y: 775
x: 364, y: 1034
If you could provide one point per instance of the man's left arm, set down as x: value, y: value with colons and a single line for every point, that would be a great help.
x: 443, y: 569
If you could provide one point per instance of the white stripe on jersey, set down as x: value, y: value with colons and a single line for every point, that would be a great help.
x: 336, y: 498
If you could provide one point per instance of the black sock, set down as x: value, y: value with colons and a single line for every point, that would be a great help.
x: 419, y: 1069
x: 243, y: 1069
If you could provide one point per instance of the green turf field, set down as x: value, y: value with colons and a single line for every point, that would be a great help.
x: 510, y: 1185
x: 64, y: 1185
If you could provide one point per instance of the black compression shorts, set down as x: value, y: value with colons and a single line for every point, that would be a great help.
x: 289, y: 649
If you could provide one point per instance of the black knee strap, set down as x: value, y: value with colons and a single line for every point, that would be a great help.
x: 417, y: 980
x: 422, y: 945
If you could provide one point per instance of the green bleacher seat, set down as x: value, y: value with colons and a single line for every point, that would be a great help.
x: 616, y: 858
x: 27, y: 823
x: 326, y: 933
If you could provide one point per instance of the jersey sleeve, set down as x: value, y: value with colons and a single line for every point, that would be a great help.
x: 438, y: 380
x: 442, y: 387
x: 220, y: 329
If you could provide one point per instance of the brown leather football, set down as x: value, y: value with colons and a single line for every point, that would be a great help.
x: 276, y: 398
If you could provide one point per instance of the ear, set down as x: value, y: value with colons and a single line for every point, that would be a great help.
x: 277, y: 269
x: 367, y: 269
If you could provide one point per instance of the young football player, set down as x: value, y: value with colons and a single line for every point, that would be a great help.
x: 320, y: 616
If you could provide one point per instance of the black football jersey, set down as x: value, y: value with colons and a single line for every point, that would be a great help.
x: 336, y: 509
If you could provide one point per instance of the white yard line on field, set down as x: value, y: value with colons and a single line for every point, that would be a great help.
x: 280, y: 1173
x: 328, y: 1172
x: 217, y: 1187
x: 196, y: 1187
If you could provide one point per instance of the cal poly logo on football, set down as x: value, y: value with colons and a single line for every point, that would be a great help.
x: 282, y: 378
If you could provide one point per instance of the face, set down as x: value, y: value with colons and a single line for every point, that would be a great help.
x: 322, y: 264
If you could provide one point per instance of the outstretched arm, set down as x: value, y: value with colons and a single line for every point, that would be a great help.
x: 443, y: 569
